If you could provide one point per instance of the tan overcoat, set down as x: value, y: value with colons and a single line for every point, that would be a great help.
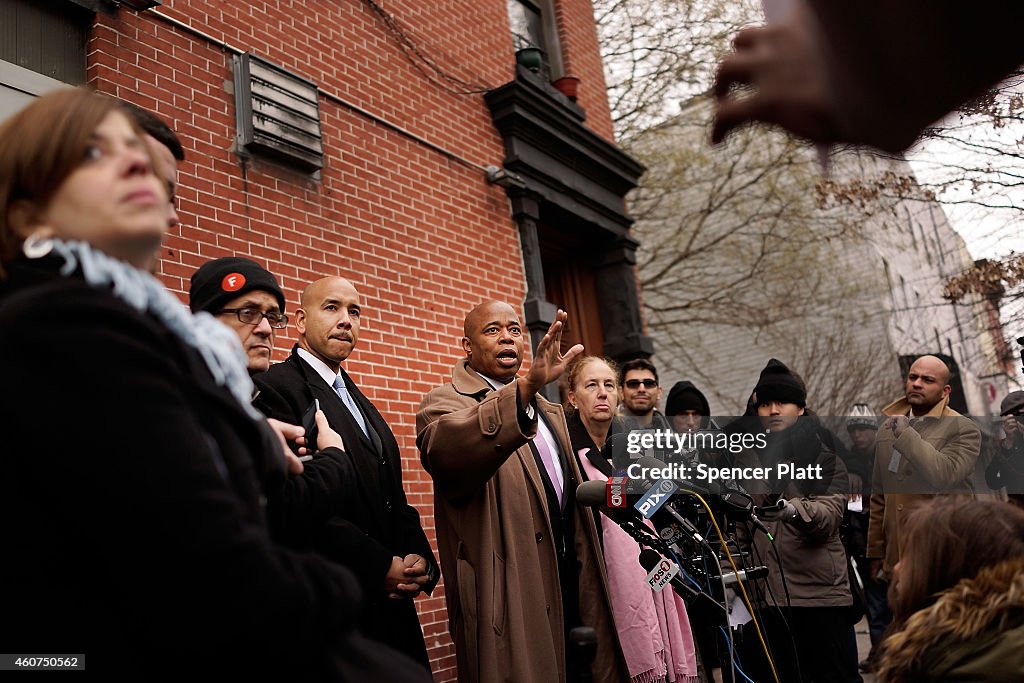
x: 494, y: 537
x: 937, y: 454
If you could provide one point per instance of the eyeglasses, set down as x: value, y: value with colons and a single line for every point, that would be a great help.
x: 253, y: 316
x: 635, y: 383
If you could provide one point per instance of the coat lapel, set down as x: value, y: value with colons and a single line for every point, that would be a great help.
x: 376, y: 426
x: 467, y: 382
x: 529, y: 463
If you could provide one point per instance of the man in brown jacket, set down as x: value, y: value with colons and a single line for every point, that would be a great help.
x: 521, y: 561
x: 924, y: 448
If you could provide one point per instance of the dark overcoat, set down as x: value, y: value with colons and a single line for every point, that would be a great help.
x: 375, y: 522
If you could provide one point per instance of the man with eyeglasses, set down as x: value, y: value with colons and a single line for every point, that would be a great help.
x: 244, y: 296
x: 638, y: 380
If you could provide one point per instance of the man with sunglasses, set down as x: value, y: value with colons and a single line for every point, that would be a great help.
x: 638, y: 380
x: 245, y: 297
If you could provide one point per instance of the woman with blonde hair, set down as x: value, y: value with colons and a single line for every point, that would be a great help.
x: 652, y: 626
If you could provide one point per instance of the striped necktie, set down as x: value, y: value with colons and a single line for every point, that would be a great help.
x: 549, y: 464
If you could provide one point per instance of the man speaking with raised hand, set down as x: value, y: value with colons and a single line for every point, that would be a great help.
x: 521, y: 562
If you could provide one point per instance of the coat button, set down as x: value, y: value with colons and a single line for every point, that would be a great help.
x: 900, y: 507
x: 539, y: 537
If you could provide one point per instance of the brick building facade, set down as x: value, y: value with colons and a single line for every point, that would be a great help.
x: 414, y: 101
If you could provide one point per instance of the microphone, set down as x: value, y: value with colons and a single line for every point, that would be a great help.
x: 734, y: 502
x: 662, y: 571
x: 583, y: 644
x: 653, y: 562
x: 651, y: 463
x: 732, y: 578
x: 671, y: 527
x: 592, y: 494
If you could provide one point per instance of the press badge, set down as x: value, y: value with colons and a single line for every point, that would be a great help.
x: 894, y: 461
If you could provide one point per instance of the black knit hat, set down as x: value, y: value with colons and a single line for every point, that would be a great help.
x: 777, y: 383
x: 684, y: 396
x: 221, y: 280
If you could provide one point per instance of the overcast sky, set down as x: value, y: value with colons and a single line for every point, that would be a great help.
x: 989, y: 232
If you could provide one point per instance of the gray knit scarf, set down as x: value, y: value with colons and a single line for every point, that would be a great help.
x: 216, y: 343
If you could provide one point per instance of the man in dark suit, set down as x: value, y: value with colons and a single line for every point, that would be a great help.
x: 379, y: 534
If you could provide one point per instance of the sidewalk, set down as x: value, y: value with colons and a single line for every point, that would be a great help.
x: 863, y: 646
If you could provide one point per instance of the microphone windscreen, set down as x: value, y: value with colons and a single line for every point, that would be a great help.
x: 592, y: 493
x: 649, y: 559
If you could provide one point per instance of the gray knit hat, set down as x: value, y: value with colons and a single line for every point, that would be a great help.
x: 861, y: 415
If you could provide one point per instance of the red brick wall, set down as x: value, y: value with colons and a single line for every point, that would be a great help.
x: 424, y: 238
x: 577, y: 35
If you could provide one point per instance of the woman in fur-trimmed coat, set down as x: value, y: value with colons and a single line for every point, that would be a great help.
x: 958, y: 597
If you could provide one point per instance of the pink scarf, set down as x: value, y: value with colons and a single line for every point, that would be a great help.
x: 654, y: 630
